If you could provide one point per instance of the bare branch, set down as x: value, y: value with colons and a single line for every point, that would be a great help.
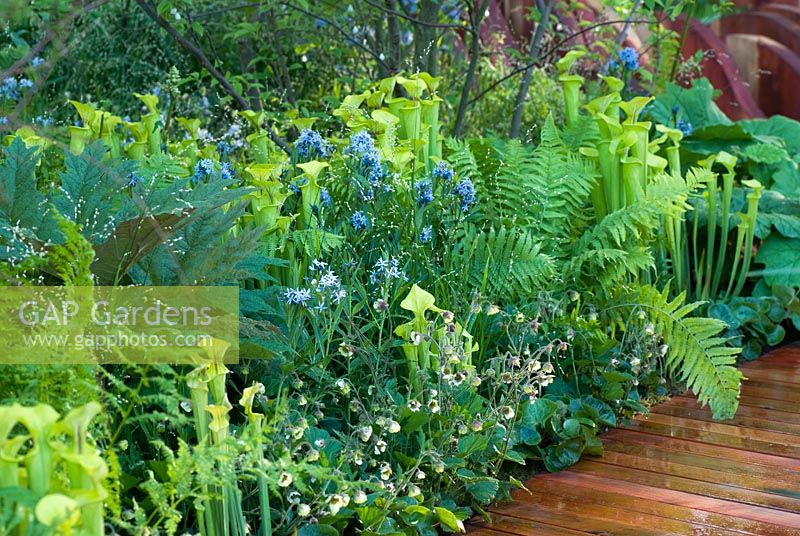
x: 200, y: 56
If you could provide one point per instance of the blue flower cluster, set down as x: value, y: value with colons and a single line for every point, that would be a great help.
x: 443, y: 171
x: 424, y: 192
x: 684, y: 126
x: 325, y: 197
x: 465, y: 191
x: 629, y: 58
x: 359, y: 221
x: 296, y: 296
x: 11, y: 87
x: 426, y: 235
x: 133, y: 180
x: 325, y: 288
x: 386, y: 270
x: 203, y: 170
x: 363, y: 146
x: 360, y: 142
x: 227, y: 172
x: 295, y: 185
x: 310, y: 144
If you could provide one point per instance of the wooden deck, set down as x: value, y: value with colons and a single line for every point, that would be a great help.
x: 679, y: 472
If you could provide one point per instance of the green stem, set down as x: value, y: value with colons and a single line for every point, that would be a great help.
x: 741, y: 231
x: 711, y: 234
x: 727, y: 193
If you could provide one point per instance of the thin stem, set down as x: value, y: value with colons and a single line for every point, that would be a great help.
x: 525, y: 84
x: 200, y: 56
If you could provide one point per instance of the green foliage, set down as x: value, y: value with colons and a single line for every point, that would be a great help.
x: 697, y: 353
x: 53, y: 485
x: 410, y: 344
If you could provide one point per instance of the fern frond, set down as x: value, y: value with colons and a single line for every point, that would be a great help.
x: 697, y: 355
x: 71, y: 260
x: 504, y: 262
x: 615, y: 245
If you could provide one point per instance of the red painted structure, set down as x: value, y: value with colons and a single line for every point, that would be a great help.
x: 752, y: 57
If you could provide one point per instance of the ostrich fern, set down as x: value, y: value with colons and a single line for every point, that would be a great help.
x: 540, y: 231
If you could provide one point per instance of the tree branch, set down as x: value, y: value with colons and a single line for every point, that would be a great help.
x: 476, y: 17
x: 555, y: 47
x: 200, y: 56
x: 536, y: 40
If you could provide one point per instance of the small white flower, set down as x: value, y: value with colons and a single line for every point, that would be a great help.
x: 393, y: 426
x: 360, y: 497
x: 380, y: 447
x: 285, y: 480
x: 364, y: 433
x: 337, y: 501
x: 414, y: 491
x: 386, y: 471
x: 420, y: 475
x: 507, y: 412
x: 319, y: 443
x: 313, y: 455
x: 649, y: 329
x: 303, y: 510
x: 343, y: 386
x: 433, y: 405
x: 414, y: 406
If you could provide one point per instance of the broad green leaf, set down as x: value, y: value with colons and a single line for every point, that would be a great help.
x: 449, y: 520
x: 318, y: 530
x: 484, y: 490
x: 781, y: 258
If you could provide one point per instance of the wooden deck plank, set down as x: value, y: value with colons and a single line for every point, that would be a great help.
x: 587, y: 518
x: 703, y: 414
x: 706, y: 468
x: 769, y: 436
x: 776, y: 485
x: 746, y: 411
x: 714, y: 438
x: 677, y: 471
x: 680, y: 498
x: 772, y: 375
x: 698, y: 487
x: 694, y: 447
x: 540, y: 529
x: 583, y: 492
x: 772, y: 391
